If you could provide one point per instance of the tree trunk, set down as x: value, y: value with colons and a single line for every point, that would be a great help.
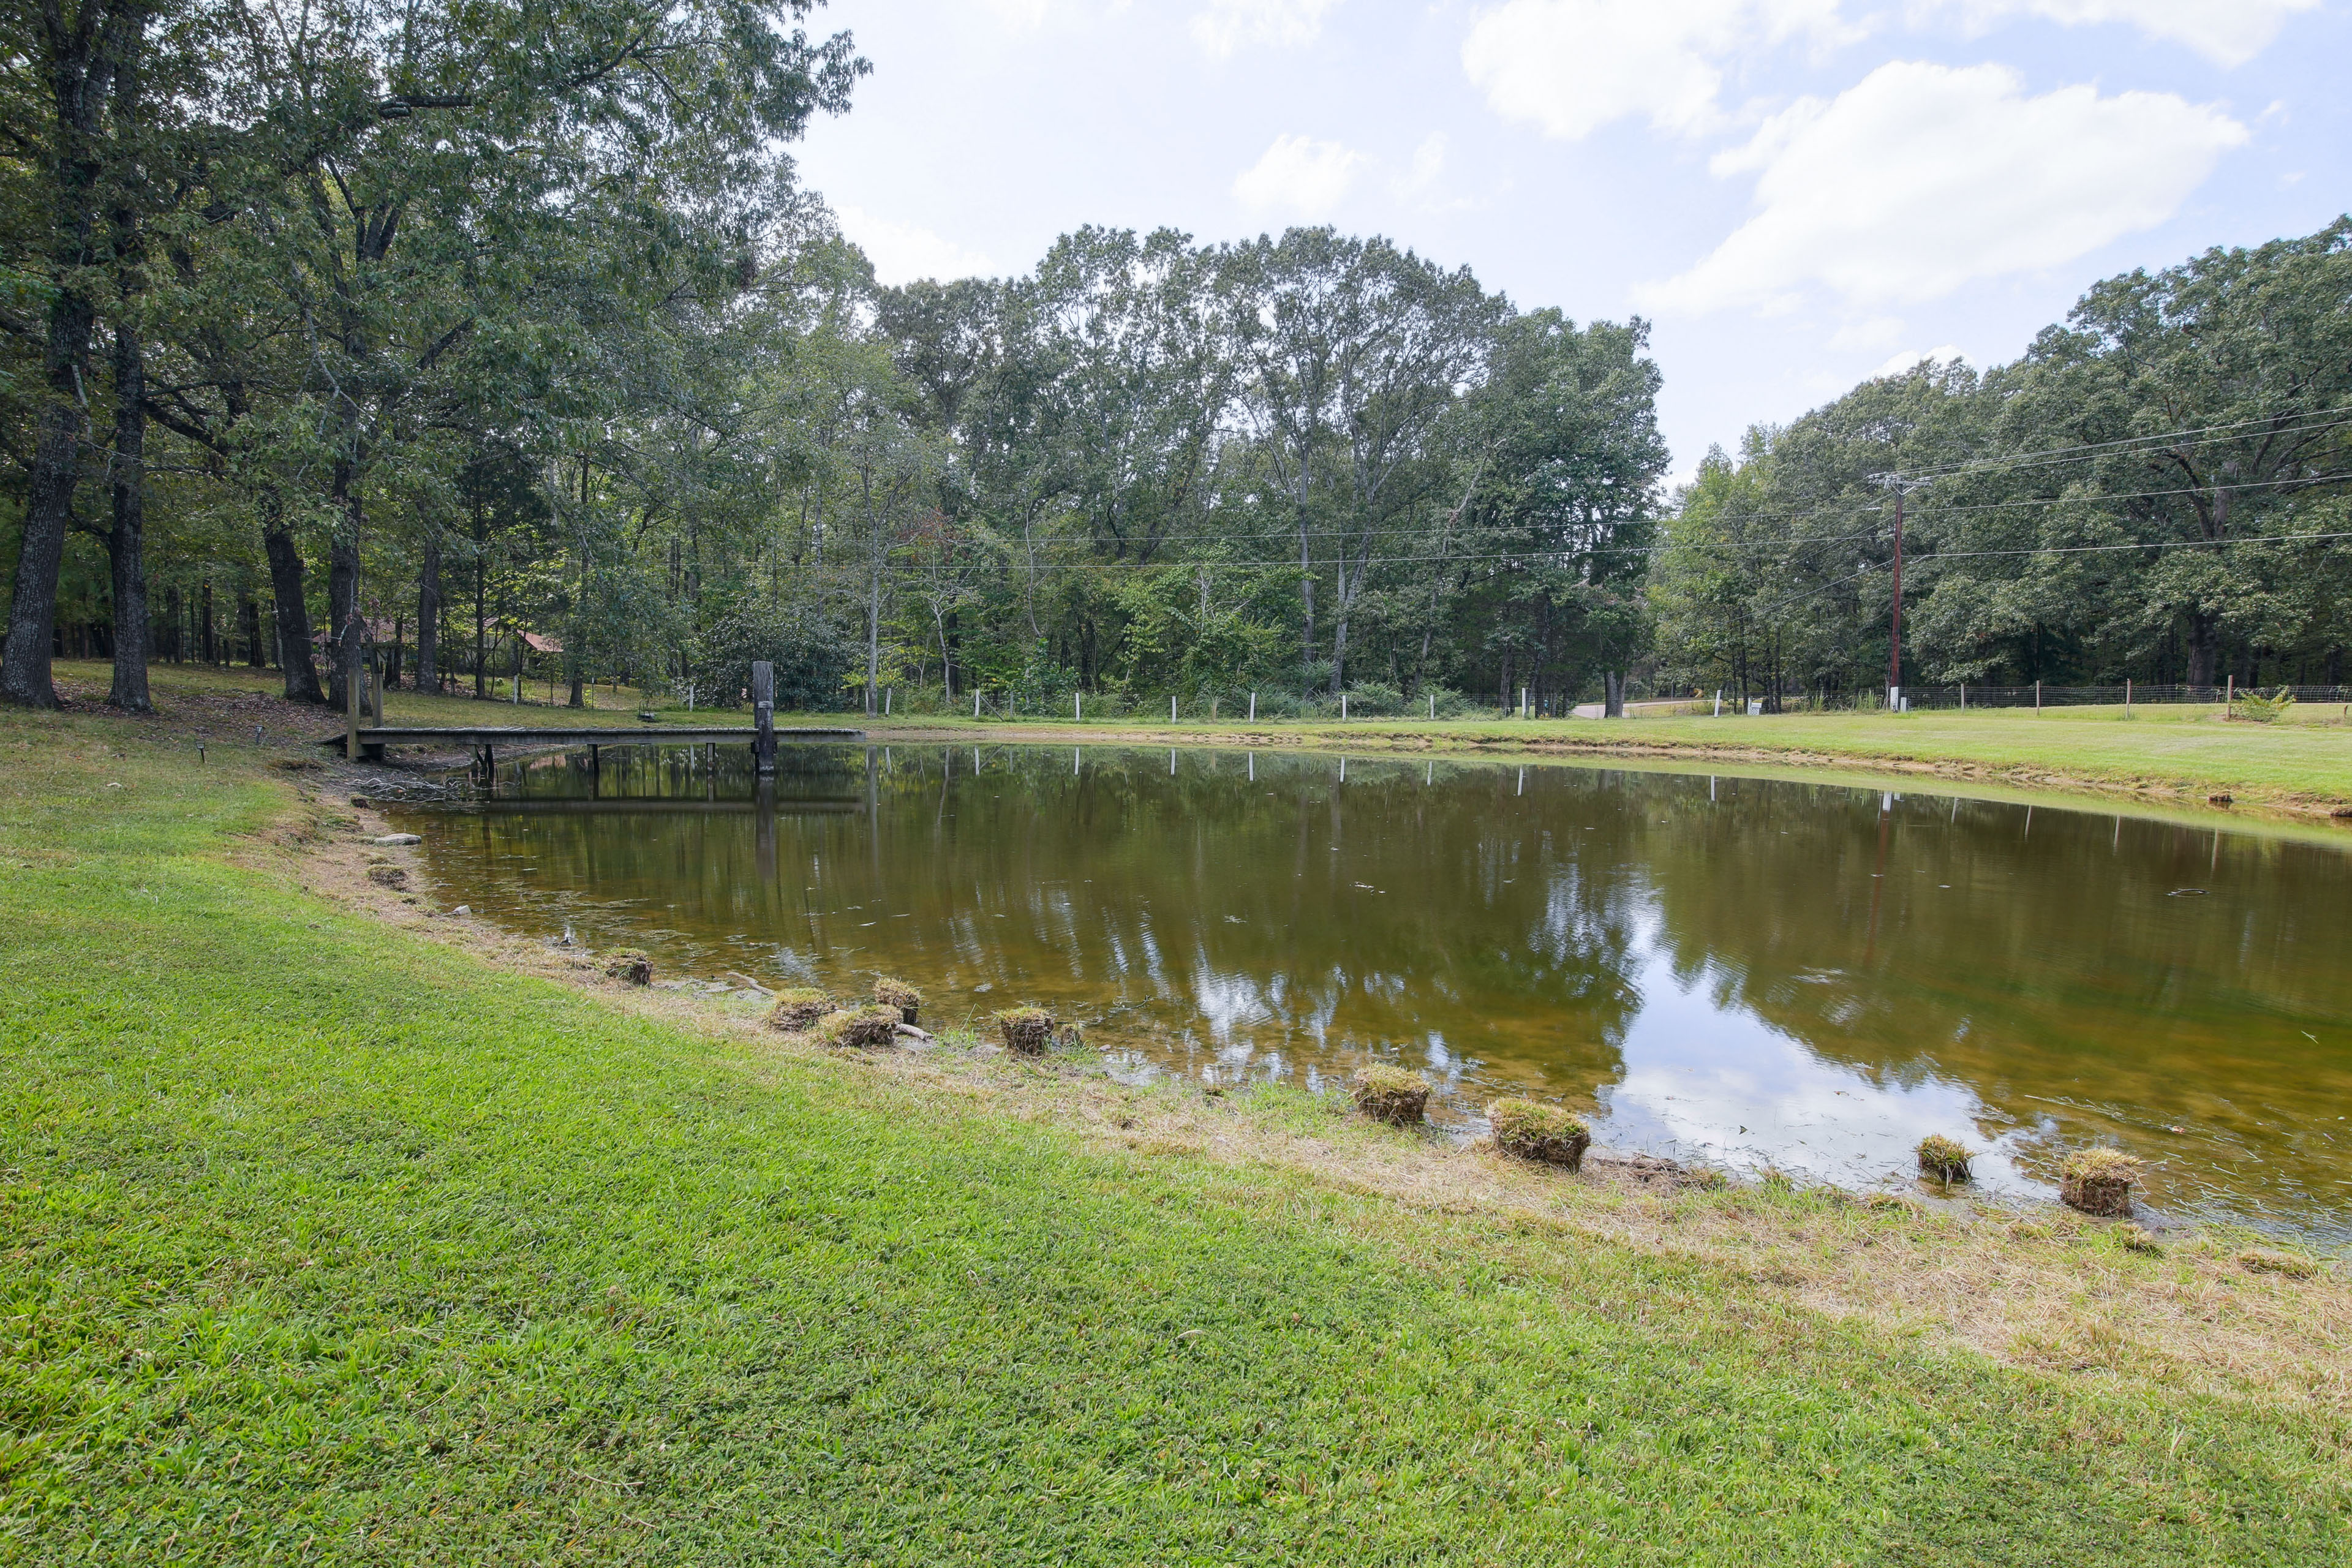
x: 78, y: 56
x: 293, y: 606
x: 428, y: 617
x: 1612, y: 694
x: 125, y: 543
x: 342, y: 574
x: 249, y: 622
x: 2204, y: 649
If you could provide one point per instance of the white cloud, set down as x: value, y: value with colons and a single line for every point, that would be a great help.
x: 2230, y: 32
x: 1228, y: 25
x: 1421, y: 177
x: 1921, y: 178
x: 1573, y: 66
x: 1299, y: 176
x: 1909, y: 360
x: 901, y: 252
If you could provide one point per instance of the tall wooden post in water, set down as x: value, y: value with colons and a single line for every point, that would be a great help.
x: 763, y: 714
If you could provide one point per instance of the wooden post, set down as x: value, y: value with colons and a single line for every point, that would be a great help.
x: 2127, y: 695
x: 2230, y: 695
x: 2037, y: 697
x: 350, y: 654
x: 764, y: 715
x: 1253, y: 719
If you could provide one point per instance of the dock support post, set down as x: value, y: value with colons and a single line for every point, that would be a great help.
x: 763, y: 713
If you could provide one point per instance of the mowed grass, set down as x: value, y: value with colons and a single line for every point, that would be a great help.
x: 325, y: 1243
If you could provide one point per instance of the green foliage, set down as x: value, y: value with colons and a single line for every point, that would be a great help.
x: 811, y: 658
x: 2262, y: 710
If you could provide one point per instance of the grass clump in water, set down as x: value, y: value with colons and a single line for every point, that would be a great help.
x: 889, y: 993
x: 799, y: 1008
x: 859, y: 1029
x: 631, y: 966
x: 2099, y: 1181
x: 1028, y: 1030
x: 1946, y: 1159
x: 1391, y: 1094
x: 1545, y: 1133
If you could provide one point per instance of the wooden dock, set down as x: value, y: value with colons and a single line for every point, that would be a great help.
x: 485, y: 741
x: 365, y: 700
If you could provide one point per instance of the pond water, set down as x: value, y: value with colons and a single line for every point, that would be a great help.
x: 1757, y: 973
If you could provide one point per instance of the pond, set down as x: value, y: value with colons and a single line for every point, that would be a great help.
x: 1755, y: 974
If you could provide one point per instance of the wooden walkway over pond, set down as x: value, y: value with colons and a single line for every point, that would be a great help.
x: 484, y: 741
x: 364, y: 695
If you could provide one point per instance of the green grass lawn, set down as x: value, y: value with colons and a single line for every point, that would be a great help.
x: 327, y: 1242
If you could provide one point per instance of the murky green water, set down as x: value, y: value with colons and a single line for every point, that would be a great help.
x: 1747, y: 972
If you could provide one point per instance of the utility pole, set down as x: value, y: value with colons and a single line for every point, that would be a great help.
x: 1894, y: 639
x: 1898, y: 484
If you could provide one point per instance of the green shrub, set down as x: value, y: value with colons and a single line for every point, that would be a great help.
x: 811, y: 658
x: 2262, y: 710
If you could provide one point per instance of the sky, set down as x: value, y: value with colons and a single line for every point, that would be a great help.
x: 1797, y: 195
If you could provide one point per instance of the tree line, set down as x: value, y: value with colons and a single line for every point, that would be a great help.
x: 2154, y: 490
x: 501, y: 328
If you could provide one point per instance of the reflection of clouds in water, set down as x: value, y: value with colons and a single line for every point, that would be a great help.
x: 1717, y: 1085
x: 1228, y: 1002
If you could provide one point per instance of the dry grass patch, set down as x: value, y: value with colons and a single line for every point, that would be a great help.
x: 897, y: 993
x: 1544, y: 1134
x: 1028, y: 1030
x: 1943, y: 1158
x: 1391, y: 1094
x: 858, y: 1028
x: 2099, y: 1181
x: 798, y: 1009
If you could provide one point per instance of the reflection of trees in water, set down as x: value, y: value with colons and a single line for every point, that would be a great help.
x: 1237, y: 902
x: 2042, y: 969
x: 1212, y: 911
x: 1203, y: 902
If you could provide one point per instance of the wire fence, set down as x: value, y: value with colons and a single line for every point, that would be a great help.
x: 2131, y: 693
